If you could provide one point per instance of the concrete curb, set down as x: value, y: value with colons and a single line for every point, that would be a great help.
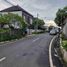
x: 13, y: 41
x: 9, y: 42
x: 50, y: 56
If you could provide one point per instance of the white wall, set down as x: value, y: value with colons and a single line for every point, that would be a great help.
x: 31, y: 21
x: 15, y: 12
x: 65, y: 28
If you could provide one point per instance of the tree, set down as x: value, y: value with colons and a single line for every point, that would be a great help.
x: 6, y: 18
x: 38, y: 22
x: 51, y: 27
x: 61, y: 15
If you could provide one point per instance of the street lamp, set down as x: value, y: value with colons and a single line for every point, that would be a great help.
x: 37, y: 20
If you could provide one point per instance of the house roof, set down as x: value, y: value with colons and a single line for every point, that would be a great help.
x: 15, y: 8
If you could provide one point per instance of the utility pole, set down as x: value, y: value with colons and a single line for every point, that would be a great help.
x: 37, y: 20
x: 36, y: 26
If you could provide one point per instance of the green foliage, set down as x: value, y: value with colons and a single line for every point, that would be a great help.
x: 38, y: 32
x: 18, y: 18
x: 65, y: 44
x: 63, y: 36
x: 6, y: 34
x: 4, y: 30
x: 51, y: 27
x: 6, y: 18
x: 61, y: 15
x: 38, y: 22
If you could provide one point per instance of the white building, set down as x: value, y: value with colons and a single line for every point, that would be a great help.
x: 28, y: 18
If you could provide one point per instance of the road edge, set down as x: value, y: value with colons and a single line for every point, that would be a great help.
x: 13, y: 41
x: 50, y: 56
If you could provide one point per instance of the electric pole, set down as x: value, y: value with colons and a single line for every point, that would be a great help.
x: 36, y: 26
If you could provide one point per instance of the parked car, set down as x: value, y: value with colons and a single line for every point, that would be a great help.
x: 53, y: 32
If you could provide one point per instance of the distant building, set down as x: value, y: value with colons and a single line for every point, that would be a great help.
x: 28, y: 18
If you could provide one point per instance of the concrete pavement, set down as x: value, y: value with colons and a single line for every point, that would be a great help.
x: 28, y: 52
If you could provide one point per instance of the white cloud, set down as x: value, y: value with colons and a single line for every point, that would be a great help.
x: 4, y: 4
x: 41, y: 7
x: 45, y: 8
x: 50, y: 23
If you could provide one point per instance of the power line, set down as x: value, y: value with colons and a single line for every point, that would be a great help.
x: 8, y: 2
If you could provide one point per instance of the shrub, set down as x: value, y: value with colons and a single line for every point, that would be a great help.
x: 38, y: 32
x: 65, y: 44
x: 9, y: 35
x: 4, y: 30
x: 63, y: 37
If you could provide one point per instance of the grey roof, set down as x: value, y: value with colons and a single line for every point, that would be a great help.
x: 15, y: 8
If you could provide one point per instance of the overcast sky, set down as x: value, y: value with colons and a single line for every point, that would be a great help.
x: 45, y: 8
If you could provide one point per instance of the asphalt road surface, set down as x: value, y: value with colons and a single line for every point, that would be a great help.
x: 29, y: 52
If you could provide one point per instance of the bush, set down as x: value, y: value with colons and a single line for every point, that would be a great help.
x: 4, y: 30
x: 65, y: 44
x: 38, y: 32
x: 63, y: 37
x: 10, y: 35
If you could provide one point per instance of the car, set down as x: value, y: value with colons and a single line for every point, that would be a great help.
x: 53, y: 32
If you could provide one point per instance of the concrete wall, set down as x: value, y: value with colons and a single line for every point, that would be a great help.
x: 65, y: 28
x: 64, y: 53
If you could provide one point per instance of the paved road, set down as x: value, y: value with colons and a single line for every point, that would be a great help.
x: 28, y: 52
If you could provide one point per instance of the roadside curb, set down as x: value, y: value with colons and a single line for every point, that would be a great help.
x: 50, y: 56
x: 12, y: 41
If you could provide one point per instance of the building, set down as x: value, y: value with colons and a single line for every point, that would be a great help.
x: 28, y: 18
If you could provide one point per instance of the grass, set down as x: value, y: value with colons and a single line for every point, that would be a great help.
x: 64, y: 44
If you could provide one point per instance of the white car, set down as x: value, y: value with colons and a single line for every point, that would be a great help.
x: 53, y: 32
